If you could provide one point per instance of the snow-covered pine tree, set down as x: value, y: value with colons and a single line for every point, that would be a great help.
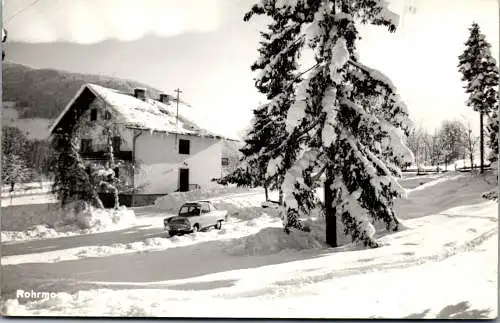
x: 480, y: 73
x: 252, y: 170
x: 345, y: 118
x: 72, y: 181
x: 279, y: 45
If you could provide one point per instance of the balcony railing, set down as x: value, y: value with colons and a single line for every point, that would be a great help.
x: 125, y: 155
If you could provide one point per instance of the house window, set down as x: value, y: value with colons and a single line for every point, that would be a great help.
x: 93, y: 114
x: 116, y: 142
x: 225, y: 161
x: 184, y: 146
x: 86, y: 145
x: 107, y: 115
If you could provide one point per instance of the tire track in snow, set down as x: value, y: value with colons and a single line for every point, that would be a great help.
x: 278, y: 288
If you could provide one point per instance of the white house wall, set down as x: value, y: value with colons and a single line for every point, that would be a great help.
x: 158, y: 162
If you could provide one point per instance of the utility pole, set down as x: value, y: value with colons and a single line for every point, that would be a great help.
x: 178, y: 91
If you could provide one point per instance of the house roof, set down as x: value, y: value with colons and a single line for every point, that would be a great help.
x: 135, y: 113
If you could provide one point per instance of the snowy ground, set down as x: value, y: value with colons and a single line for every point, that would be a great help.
x: 457, y: 164
x: 444, y: 265
x: 45, y: 221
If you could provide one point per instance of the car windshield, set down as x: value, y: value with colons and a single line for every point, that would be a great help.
x: 190, y: 210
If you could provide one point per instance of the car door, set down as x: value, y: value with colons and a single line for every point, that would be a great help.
x: 194, y: 215
x: 206, y: 215
x: 216, y: 214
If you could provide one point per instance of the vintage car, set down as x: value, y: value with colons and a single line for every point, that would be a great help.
x: 195, y: 216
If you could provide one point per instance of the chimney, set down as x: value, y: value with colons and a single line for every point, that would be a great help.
x: 164, y: 98
x: 140, y: 93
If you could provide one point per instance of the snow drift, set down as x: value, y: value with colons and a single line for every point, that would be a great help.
x: 85, y: 216
x: 75, y: 219
x: 272, y: 240
x: 172, y: 202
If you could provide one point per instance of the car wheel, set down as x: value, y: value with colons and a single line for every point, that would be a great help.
x: 172, y: 233
x: 218, y: 225
x: 196, y: 228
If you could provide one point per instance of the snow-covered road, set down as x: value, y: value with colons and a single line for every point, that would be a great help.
x: 442, y: 266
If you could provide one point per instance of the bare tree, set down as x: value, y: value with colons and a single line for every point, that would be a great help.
x: 471, y: 143
x: 427, y: 143
x: 435, y: 147
x: 415, y: 141
x: 451, y: 138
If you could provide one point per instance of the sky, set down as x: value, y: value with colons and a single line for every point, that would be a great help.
x: 204, y: 48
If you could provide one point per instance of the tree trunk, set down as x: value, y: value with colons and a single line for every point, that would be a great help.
x: 117, y: 198
x: 111, y: 166
x: 330, y: 216
x: 266, y: 191
x: 97, y: 200
x: 481, y: 138
x: 281, y: 197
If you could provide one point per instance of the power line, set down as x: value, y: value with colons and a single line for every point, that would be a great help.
x: 21, y: 10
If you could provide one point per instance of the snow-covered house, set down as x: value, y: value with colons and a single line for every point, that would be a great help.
x: 159, y: 152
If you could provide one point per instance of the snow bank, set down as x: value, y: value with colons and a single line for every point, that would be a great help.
x: 37, y: 232
x: 245, y: 209
x: 74, y: 220
x: 274, y: 240
x: 88, y: 217
x: 172, y: 202
x: 229, y: 231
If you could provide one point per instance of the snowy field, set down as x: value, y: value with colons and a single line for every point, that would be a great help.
x: 442, y: 265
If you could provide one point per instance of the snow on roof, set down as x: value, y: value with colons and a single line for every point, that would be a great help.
x: 149, y: 114
x: 135, y: 113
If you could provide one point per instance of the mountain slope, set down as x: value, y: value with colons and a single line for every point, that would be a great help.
x: 43, y: 93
